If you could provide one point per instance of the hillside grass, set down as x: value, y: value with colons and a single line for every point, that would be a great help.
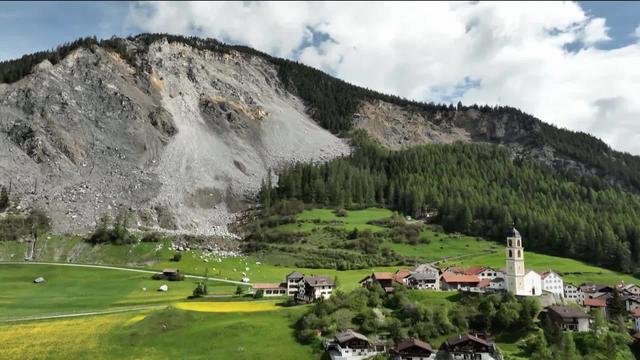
x: 74, y: 289
x: 160, y: 334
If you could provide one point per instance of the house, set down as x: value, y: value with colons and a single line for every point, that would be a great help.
x: 568, y: 318
x: 595, y: 290
x: 552, y: 282
x: 313, y: 288
x: 412, y: 349
x: 573, y: 293
x: 401, y: 276
x: 350, y: 345
x: 453, y: 281
x: 269, y: 290
x: 385, y: 279
x: 635, y: 315
x: 426, y: 268
x: 424, y: 280
x: 596, y: 304
x: 464, y: 347
x: 455, y: 270
x: 631, y: 302
x: 631, y: 289
x: 497, y: 284
x: 484, y: 272
x: 293, y: 283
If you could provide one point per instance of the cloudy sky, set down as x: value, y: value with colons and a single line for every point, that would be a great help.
x: 576, y: 65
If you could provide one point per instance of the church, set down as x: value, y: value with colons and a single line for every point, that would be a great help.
x: 520, y: 281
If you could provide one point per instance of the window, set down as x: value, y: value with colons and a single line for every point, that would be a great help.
x: 510, y: 244
x: 519, y: 254
x: 510, y: 253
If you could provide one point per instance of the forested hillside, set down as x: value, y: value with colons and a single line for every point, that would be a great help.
x: 477, y: 189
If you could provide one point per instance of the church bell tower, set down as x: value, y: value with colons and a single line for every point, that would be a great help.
x: 515, y: 263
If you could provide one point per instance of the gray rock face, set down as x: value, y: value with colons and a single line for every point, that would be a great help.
x: 184, y: 143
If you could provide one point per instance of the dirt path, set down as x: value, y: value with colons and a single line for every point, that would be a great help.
x: 110, y: 267
x: 90, y: 313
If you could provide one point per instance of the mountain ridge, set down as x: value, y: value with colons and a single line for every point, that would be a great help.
x: 148, y: 95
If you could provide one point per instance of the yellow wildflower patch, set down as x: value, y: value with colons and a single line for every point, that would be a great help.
x: 74, y: 338
x: 228, y: 307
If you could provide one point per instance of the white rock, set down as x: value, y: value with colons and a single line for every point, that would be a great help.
x: 163, y: 288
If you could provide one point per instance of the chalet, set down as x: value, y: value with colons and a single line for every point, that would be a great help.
x: 269, y: 290
x: 595, y: 290
x: 568, y: 318
x: 552, y: 282
x: 635, y: 315
x: 596, y: 304
x: 313, y: 288
x: 426, y: 268
x: 401, y: 276
x: 484, y: 272
x: 573, y: 293
x: 412, y: 349
x: 453, y: 281
x: 424, y: 280
x: 631, y: 289
x: 464, y: 347
x: 385, y: 279
x: 631, y: 302
x: 350, y: 345
x: 293, y: 283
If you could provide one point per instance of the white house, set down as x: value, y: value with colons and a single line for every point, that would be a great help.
x: 573, y: 293
x: 313, y: 288
x: 552, y: 282
x: 497, y: 284
x: 350, y: 345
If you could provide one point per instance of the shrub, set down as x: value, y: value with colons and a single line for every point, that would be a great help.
x: 200, y: 290
x: 152, y: 237
x: 341, y: 213
x: 176, y: 257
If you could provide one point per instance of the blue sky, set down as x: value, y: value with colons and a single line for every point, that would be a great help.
x: 574, y: 65
x: 31, y: 26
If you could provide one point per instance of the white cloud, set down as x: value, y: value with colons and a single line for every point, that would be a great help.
x: 512, y: 54
x: 636, y: 33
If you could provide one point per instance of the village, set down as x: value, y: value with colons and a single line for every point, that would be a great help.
x: 569, y: 306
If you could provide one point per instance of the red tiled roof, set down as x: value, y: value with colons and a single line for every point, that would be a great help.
x: 265, y: 286
x: 400, y: 275
x: 484, y: 283
x: 456, y: 278
x: 475, y: 270
x: 383, y: 275
x: 595, y: 302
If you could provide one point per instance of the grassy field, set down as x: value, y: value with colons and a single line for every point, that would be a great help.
x: 72, y: 289
x: 163, y: 334
x: 198, y: 329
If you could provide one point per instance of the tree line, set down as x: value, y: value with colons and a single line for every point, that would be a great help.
x: 477, y: 189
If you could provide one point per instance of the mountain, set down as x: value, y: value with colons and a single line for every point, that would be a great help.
x: 183, y: 130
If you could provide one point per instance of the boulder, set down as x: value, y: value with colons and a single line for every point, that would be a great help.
x: 163, y: 288
x: 39, y: 280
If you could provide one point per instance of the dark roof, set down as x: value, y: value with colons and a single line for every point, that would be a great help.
x: 347, y: 335
x: 567, y: 312
x: 424, y: 276
x: 406, y: 344
x: 295, y: 275
x: 513, y: 232
x: 318, y: 280
x: 455, y: 340
x: 169, y: 271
